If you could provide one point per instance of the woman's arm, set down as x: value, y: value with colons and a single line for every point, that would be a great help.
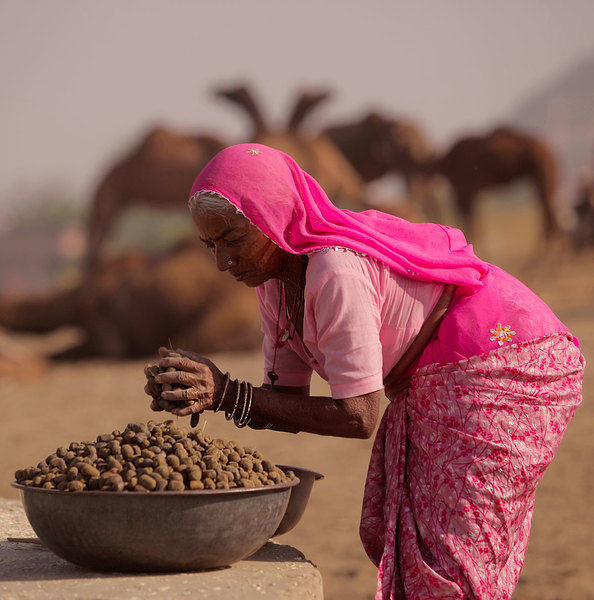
x: 293, y: 410
x: 289, y: 409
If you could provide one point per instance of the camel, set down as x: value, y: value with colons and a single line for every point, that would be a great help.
x: 376, y: 145
x: 473, y: 164
x: 135, y: 303
x: 158, y: 172
x: 316, y: 154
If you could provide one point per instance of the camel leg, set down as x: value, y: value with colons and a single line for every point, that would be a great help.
x: 108, y: 203
x: 545, y: 196
x: 545, y: 181
x: 467, y: 214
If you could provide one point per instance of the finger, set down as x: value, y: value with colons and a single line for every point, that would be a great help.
x: 189, y: 380
x: 186, y: 394
x: 183, y: 363
x: 193, y: 356
x: 174, y: 376
x: 184, y: 411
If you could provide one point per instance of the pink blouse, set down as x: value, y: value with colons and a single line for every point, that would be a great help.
x: 360, y: 317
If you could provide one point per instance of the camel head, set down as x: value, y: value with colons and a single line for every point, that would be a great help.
x: 243, y: 97
x: 305, y: 102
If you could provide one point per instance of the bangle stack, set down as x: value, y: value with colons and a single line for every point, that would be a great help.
x: 243, y: 418
x: 242, y: 404
x: 243, y: 393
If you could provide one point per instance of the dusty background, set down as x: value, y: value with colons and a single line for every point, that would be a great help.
x: 51, y: 406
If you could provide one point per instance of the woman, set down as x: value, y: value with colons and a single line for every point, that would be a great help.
x: 482, y: 377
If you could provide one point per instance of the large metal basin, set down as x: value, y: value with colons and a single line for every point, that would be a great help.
x: 156, y: 531
x: 299, y: 497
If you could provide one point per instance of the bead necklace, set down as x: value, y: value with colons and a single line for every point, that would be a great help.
x: 292, y: 316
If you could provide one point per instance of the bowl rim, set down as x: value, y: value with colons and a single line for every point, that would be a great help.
x: 185, y: 493
x: 317, y: 474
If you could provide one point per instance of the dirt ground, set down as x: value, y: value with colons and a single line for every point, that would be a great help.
x: 52, y: 406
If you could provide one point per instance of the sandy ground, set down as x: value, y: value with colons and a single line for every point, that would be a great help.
x: 73, y: 402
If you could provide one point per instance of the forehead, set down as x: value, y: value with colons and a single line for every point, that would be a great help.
x: 214, y: 222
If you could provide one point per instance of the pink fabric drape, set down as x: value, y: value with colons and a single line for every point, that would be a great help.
x: 291, y: 208
x: 450, y: 489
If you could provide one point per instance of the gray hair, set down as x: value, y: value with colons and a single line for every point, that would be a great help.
x: 207, y: 201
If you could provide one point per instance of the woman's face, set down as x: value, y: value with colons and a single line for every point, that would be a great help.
x: 239, y: 247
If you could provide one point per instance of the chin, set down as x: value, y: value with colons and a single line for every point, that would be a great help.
x: 249, y: 282
x: 252, y: 283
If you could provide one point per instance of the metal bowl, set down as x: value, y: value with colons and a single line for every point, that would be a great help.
x: 299, y: 497
x: 155, y: 531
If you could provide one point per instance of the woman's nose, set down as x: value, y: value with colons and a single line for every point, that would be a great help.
x: 224, y: 261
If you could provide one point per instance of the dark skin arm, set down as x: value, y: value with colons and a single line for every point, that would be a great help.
x: 289, y: 409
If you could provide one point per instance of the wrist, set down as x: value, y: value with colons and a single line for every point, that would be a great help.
x: 235, y: 400
x: 221, y: 400
x: 231, y: 398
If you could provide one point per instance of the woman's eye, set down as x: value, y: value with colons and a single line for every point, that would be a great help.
x: 235, y: 240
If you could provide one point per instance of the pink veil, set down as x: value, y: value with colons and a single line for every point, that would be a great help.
x: 291, y: 208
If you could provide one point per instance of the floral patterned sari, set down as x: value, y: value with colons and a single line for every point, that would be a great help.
x: 453, y: 473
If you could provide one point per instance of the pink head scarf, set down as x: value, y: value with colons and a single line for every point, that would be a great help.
x: 291, y: 208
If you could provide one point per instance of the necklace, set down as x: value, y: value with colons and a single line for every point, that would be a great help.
x: 292, y: 319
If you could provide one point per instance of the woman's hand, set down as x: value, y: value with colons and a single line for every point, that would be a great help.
x: 199, y: 378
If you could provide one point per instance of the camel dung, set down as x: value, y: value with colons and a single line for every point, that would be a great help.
x: 148, y: 457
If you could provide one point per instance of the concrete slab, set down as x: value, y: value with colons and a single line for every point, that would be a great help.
x: 28, y: 570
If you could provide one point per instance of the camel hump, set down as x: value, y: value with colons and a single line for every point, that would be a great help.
x: 513, y: 135
x: 410, y: 137
x: 210, y: 143
x: 162, y: 145
x: 507, y: 131
x: 513, y: 140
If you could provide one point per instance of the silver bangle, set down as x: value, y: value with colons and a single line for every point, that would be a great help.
x: 244, y: 419
x: 230, y: 414
x: 222, y: 398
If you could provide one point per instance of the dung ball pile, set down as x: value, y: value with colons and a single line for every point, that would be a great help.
x: 148, y: 457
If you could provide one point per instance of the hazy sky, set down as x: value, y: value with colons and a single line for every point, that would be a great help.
x: 82, y: 80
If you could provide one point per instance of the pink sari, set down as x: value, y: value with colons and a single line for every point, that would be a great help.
x: 451, y: 483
